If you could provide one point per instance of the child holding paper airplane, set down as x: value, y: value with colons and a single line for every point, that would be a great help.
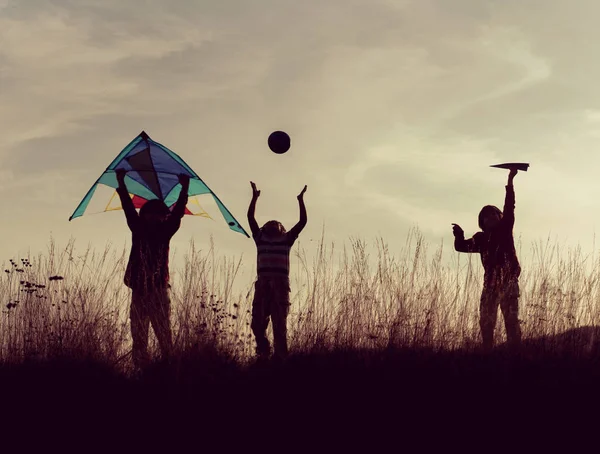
x: 496, y: 245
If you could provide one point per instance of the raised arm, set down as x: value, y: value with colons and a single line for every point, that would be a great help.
x: 295, y: 231
x: 251, y: 209
x: 508, y: 214
x: 173, y: 222
x: 462, y: 245
x: 131, y: 214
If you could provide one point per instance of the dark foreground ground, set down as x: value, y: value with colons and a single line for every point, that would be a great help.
x: 401, y: 400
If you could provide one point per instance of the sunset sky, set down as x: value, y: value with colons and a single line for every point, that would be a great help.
x: 395, y: 109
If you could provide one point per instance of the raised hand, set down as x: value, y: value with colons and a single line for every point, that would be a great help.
x: 457, y: 230
x: 120, y: 175
x: 301, y: 195
x: 184, y: 180
x: 511, y: 175
x: 255, y: 192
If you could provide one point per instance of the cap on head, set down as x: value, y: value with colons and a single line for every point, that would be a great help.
x: 486, y: 211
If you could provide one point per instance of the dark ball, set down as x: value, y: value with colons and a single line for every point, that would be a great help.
x: 279, y: 142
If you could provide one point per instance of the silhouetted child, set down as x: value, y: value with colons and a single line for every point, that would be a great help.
x: 496, y: 245
x: 148, y: 268
x: 272, y: 287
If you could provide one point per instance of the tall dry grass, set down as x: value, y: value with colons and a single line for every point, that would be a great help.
x: 360, y: 295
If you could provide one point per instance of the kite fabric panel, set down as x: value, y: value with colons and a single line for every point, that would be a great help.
x: 153, y: 173
x: 193, y: 207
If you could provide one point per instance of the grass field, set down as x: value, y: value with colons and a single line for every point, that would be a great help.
x: 377, y: 339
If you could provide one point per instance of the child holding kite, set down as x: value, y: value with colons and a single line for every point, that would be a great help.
x: 496, y: 245
x: 147, y: 272
x: 162, y: 197
x: 272, y: 287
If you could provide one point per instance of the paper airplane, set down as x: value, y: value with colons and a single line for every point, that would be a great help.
x: 513, y: 165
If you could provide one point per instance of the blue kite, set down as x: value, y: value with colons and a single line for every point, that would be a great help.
x: 152, y: 173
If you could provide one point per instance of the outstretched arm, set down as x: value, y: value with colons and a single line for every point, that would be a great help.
x: 130, y: 213
x: 173, y: 222
x: 462, y: 245
x: 251, y: 209
x: 508, y: 213
x: 295, y: 231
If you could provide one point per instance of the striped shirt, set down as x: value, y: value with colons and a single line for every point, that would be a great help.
x: 273, y: 257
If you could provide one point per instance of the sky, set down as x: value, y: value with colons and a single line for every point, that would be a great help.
x: 395, y: 109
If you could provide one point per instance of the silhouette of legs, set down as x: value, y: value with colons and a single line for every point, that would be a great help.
x: 509, y: 305
x: 279, y: 313
x: 160, y: 318
x: 271, y: 300
x: 150, y: 308
x: 140, y: 324
x: 507, y: 297
x: 260, y: 319
x: 488, y: 312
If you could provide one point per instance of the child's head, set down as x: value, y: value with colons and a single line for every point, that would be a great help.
x: 489, y: 217
x: 154, y: 211
x: 273, y: 229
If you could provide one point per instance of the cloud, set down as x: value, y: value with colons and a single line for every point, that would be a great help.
x: 395, y: 109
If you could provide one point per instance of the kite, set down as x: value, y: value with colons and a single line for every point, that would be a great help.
x: 153, y: 173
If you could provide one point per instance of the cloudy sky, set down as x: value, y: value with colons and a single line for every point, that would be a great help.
x: 396, y: 109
